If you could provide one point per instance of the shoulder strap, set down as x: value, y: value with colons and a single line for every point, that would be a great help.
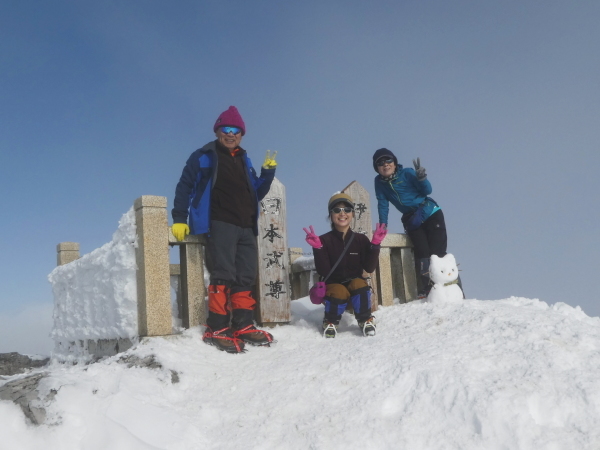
x: 341, y: 256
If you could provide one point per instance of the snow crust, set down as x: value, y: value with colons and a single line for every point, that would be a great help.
x: 506, y: 374
x: 95, y: 297
x: 305, y: 262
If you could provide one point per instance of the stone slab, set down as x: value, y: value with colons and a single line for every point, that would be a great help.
x: 189, y: 239
x: 273, y: 288
x: 396, y: 240
x: 67, y: 252
x: 67, y: 246
x: 151, y: 201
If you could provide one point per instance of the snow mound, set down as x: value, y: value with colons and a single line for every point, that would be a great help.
x: 508, y: 374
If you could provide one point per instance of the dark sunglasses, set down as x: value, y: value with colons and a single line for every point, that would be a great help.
x: 382, y: 161
x: 234, y: 130
x: 346, y: 209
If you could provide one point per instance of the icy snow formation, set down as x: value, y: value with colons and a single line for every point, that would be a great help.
x: 305, y: 262
x: 95, y: 297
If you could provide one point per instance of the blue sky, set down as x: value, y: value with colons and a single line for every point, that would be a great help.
x: 102, y: 102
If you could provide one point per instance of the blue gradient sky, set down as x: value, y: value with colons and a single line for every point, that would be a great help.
x: 102, y: 102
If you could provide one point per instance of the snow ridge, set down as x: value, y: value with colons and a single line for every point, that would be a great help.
x: 507, y: 374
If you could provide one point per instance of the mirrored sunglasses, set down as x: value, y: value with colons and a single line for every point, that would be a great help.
x: 382, y: 161
x: 346, y: 209
x: 234, y: 130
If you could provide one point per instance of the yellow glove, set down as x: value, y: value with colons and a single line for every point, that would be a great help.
x: 270, y: 162
x: 180, y: 231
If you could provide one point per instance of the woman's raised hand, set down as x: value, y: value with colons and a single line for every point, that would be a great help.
x: 421, y: 173
x: 312, y: 239
x: 379, y: 235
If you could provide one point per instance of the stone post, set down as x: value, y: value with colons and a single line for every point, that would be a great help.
x: 152, y: 257
x: 407, y: 271
x: 384, y: 277
x: 363, y: 224
x: 66, y: 252
x: 273, y: 287
x: 295, y: 286
x: 192, y: 307
x: 295, y: 253
x: 175, y: 278
x: 396, y: 274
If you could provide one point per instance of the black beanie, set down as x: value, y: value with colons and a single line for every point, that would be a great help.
x: 383, y: 152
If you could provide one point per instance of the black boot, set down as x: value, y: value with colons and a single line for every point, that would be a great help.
x: 424, y: 283
x: 460, y: 286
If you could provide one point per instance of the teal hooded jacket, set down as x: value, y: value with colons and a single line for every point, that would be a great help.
x: 405, y: 192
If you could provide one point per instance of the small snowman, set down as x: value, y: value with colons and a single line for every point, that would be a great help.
x: 443, y: 272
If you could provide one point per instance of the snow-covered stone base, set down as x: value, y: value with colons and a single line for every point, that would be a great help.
x: 95, y: 297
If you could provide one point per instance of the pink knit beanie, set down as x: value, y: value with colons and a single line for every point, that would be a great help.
x: 230, y: 118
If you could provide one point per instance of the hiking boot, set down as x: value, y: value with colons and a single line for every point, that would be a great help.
x: 253, y: 336
x: 224, y: 340
x: 368, y: 327
x: 329, y: 330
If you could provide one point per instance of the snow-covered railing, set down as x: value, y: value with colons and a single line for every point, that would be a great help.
x: 106, y: 300
x: 95, y: 297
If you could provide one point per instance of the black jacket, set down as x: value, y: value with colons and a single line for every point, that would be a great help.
x: 361, y: 256
x: 193, y: 192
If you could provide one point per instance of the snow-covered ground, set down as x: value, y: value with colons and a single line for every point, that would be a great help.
x: 505, y: 374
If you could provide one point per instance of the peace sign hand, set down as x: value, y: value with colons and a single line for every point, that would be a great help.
x: 270, y: 162
x: 312, y: 238
x: 421, y: 174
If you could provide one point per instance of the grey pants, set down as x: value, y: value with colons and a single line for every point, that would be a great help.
x: 232, y: 256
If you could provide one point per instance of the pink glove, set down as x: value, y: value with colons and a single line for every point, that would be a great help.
x: 317, y: 292
x: 312, y: 239
x: 380, y: 232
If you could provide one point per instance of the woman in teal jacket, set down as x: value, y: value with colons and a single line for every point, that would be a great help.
x: 408, y: 190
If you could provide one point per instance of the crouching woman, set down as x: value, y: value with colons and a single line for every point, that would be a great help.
x: 341, y: 258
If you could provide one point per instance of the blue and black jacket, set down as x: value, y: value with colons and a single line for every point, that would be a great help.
x: 405, y: 192
x: 193, y: 192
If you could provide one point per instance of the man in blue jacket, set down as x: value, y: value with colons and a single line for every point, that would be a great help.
x: 219, y: 194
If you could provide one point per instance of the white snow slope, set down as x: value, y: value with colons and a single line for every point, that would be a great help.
x: 505, y: 374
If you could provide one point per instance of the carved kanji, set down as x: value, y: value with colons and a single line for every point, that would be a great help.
x: 275, y: 288
x: 271, y: 205
x: 360, y: 208
x: 271, y: 233
x: 273, y: 259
